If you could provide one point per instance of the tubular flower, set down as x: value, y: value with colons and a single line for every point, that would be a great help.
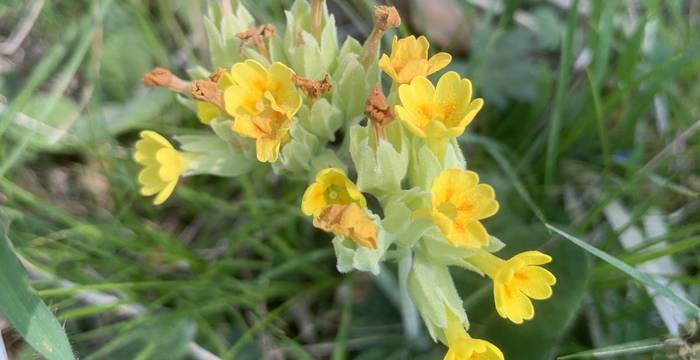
x: 458, y: 202
x: 464, y: 347
x: 516, y: 281
x: 332, y: 186
x: 262, y: 102
x: 163, y: 165
x: 437, y: 113
x: 409, y: 59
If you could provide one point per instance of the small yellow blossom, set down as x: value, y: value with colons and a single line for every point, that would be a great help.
x: 262, y: 102
x: 458, y: 202
x: 332, y: 186
x: 437, y: 113
x: 163, y: 165
x: 516, y: 281
x: 409, y: 59
x: 464, y: 347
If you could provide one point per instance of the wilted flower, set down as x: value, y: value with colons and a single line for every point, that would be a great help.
x: 409, y: 59
x: 207, y: 111
x: 516, y: 281
x: 163, y: 165
x: 458, y: 202
x: 262, y: 102
x: 350, y: 221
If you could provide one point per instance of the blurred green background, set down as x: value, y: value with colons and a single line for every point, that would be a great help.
x: 591, y: 124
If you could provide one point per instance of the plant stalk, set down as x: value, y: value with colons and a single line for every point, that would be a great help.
x: 409, y: 313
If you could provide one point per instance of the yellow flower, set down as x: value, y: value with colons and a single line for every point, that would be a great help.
x: 262, y: 102
x: 163, y: 165
x: 464, y: 347
x: 332, y: 186
x: 516, y: 281
x: 437, y: 113
x: 409, y: 58
x: 458, y: 202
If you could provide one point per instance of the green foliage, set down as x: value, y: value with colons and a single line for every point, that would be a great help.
x: 232, y: 264
x: 24, y: 309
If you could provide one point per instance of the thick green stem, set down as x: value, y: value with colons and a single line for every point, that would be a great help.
x: 409, y: 313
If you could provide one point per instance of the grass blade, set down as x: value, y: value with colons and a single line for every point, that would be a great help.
x: 684, y: 304
x: 562, y: 82
x: 630, y: 348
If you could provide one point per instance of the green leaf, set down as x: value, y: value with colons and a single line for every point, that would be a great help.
x: 25, y: 310
x: 684, y: 304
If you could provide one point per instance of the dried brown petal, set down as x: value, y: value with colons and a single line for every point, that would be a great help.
x: 208, y: 91
x: 377, y: 109
x: 256, y: 36
x: 350, y: 221
x: 311, y: 88
x: 162, y: 77
x: 217, y: 74
x: 386, y: 17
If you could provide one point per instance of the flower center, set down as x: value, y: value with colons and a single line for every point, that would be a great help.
x: 334, y: 195
x: 448, y: 209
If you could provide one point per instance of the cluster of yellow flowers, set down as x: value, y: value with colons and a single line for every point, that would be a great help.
x: 434, y: 217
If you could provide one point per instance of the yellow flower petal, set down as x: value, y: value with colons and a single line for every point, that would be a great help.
x: 313, y: 202
x: 245, y: 126
x: 154, y: 136
x: 165, y: 193
x: 440, y: 112
x: 262, y: 102
x: 206, y: 112
x: 332, y: 186
x: 267, y: 149
x: 438, y: 61
x: 516, y: 281
x: 163, y: 165
x: 535, y: 282
x: 458, y: 201
x: 409, y: 59
x: 285, y: 95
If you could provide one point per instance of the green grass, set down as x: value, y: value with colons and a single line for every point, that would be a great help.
x: 232, y: 266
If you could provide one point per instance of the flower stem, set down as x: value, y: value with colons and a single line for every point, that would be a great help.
x: 409, y: 314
